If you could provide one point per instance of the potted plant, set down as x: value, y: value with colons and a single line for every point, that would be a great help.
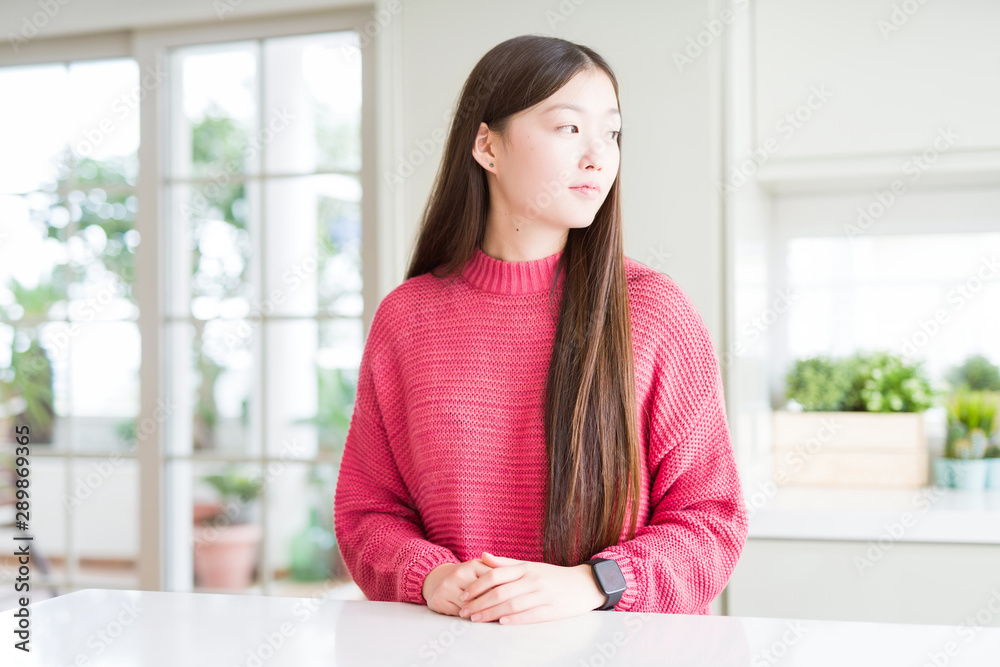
x: 856, y: 421
x: 992, y: 457
x: 977, y: 373
x: 971, y: 423
x: 26, y: 392
x: 225, y: 536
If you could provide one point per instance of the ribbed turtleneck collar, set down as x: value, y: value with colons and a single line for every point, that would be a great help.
x: 495, y: 275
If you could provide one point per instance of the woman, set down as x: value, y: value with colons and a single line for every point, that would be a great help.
x: 528, y: 382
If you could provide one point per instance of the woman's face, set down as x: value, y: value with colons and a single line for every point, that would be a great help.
x: 553, y: 148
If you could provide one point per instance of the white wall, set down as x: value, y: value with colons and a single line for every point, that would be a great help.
x: 890, y: 80
x: 888, y: 97
x: 890, y: 87
x: 671, y: 118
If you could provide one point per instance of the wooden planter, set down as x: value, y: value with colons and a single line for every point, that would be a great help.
x: 850, y: 449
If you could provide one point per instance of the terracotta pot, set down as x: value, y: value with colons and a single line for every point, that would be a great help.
x: 203, y: 511
x: 224, y: 557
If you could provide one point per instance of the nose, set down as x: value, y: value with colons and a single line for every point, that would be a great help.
x: 594, y: 154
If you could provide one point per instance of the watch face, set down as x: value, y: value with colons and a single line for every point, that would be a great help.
x: 610, y: 576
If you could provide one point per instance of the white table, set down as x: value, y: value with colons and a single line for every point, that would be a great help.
x: 152, y: 629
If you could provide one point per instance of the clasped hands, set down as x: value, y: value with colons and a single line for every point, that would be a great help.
x: 511, y: 591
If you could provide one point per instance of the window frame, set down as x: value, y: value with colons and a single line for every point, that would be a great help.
x: 381, y: 232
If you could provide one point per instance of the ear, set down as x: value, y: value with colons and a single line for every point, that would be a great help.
x: 482, y: 148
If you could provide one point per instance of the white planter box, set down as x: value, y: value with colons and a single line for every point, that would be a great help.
x: 850, y: 449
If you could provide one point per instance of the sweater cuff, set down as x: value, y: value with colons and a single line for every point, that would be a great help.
x: 625, y: 563
x: 418, y: 569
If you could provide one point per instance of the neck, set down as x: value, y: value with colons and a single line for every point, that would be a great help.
x: 504, y: 277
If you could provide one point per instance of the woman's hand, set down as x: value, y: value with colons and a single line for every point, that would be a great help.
x: 521, y: 591
x: 445, y: 583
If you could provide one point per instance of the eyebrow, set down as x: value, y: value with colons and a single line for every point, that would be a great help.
x: 555, y: 107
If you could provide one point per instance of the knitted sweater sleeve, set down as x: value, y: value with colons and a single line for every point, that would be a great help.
x: 683, y: 558
x: 378, y: 528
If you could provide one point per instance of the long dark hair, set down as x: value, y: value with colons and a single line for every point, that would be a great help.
x: 590, y: 407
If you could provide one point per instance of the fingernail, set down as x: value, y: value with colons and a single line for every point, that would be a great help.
x: 465, y: 596
x: 476, y: 617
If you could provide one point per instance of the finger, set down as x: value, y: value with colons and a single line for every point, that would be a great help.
x: 491, y: 559
x: 491, y: 579
x: 478, y: 568
x: 497, y: 596
x: 471, y: 571
x: 447, y: 607
x: 536, y: 615
x: 515, y: 604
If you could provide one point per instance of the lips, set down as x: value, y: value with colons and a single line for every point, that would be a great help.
x: 587, y: 190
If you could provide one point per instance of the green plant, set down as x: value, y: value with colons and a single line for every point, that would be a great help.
x: 875, y: 382
x: 972, y: 418
x: 234, y: 485
x: 974, y: 410
x: 817, y: 384
x: 30, y: 379
x: 234, y: 488
x: 895, y: 386
x: 977, y: 373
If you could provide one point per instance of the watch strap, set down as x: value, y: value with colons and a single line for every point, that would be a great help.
x: 614, y: 596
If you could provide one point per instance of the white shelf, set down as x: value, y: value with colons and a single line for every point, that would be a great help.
x: 929, y: 514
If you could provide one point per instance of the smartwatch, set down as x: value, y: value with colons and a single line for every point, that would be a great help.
x: 609, y: 579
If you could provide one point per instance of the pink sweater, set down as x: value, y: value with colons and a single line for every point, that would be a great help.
x: 445, y: 455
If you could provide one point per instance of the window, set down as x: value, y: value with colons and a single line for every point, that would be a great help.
x: 69, y: 338
x: 263, y: 325
x: 930, y: 297
x: 217, y: 327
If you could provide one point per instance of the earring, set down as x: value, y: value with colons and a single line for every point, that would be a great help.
x: 491, y: 164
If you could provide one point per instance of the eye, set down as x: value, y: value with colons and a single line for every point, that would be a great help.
x: 567, y: 126
x: 617, y: 134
